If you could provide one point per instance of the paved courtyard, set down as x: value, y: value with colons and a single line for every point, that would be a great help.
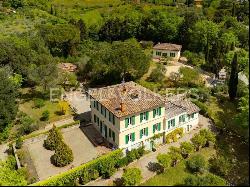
x: 82, y: 148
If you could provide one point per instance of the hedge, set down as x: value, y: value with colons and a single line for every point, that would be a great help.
x: 71, y: 176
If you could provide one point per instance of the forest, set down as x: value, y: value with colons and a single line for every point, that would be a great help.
x: 104, y: 39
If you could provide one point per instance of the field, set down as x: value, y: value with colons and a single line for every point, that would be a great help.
x: 176, y: 175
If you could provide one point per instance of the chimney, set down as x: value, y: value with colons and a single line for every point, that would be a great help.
x: 122, y: 107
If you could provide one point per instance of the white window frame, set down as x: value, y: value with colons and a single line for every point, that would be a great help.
x: 144, y: 132
x: 144, y: 118
x: 129, y: 120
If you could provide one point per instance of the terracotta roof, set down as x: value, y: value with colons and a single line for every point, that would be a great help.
x: 168, y: 46
x: 67, y: 67
x: 176, y: 106
x: 134, y: 97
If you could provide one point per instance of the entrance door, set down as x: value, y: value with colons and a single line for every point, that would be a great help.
x: 105, y: 131
x: 101, y: 126
x: 151, y: 145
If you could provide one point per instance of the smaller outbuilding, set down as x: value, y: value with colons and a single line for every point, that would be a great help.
x: 167, y: 50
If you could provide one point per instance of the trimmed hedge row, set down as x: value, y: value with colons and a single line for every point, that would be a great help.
x: 102, y: 164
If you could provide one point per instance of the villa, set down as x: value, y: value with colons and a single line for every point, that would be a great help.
x: 129, y: 115
x: 167, y: 50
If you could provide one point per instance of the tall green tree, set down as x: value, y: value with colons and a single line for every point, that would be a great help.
x: 233, y: 80
x: 8, y: 96
x: 203, y: 36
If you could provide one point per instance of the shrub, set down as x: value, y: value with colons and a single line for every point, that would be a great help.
x: 219, y: 166
x: 209, y: 135
x: 196, y: 163
x: 198, y: 141
x: 45, y: 116
x: 53, y: 139
x: 141, y: 151
x: 175, y: 155
x: 206, y: 180
x: 122, y: 162
x: 27, y: 125
x: 38, y: 103
x: 165, y: 160
x: 202, y: 106
x: 157, y: 74
x: 19, y: 142
x: 186, y: 149
x: 131, y: 177
x: 88, y: 175
x: 63, y: 155
x: 132, y: 155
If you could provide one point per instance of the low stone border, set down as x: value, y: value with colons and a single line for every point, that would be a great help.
x: 16, y: 157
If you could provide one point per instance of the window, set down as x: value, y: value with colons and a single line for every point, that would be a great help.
x: 110, y: 116
x: 156, y: 127
x: 182, y: 118
x: 158, y: 53
x: 192, y: 115
x: 94, y: 118
x: 172, y: 54
x: 129, y: 121
x: 113, y: 136
x: 105, y: 110
x: 144, y: 132
x: 130, y: 138
x: 97, y: 121
x: 110, y: 133
x: 102, y: 110
x: 97, y: 106
x: 113, y: 119
x: 144, y: 116
x: 94, y: 104
x: 157, y: 112
x: 171, y: 123
x: 165, y: 54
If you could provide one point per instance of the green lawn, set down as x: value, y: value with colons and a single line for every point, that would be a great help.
x: 27, y: 106
x: 176, y: 175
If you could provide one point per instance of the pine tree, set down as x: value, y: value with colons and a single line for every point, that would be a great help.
x: 233, y: 81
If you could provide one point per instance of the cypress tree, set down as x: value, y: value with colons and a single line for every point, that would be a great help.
x: 233, y: 81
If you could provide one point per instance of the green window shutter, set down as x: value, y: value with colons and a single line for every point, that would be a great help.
x: 159, y: 110
x: 106, y: 131
x: 147, y: 131
x: 141, y: 117
x: 113, y: 119
x: 113, y: 135
x: 126, y: 139
x: 141, y: 133
x: 147, y: 113
x: 133, y: 120
x: 159, y: 126
x: 133, y: 137
x: 94, y: 118
x: 94, y: 104
x: 101, y: 127
x: 105, y: 112
x: 126, y: 122
x: 174, y: 122
x: 153, y: 128
x: 109, y: 116
x: 154, y: 111
x: 109, y: 132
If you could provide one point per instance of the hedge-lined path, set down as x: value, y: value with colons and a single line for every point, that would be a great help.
x: 143, y: 162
